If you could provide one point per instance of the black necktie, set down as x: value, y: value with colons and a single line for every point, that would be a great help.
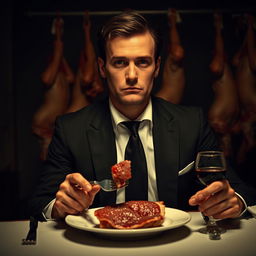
x: 138, y: 184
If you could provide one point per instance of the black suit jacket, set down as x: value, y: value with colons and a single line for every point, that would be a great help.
x: 84, y: 142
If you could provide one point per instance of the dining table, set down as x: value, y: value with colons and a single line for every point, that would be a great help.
x: 59, y: 238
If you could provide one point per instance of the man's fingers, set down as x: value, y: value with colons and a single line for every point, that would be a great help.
x: 78, y: 195
x: 77, y: 180
x: 207, y: 192
x: 60, y: 210
x: 94, y: 191
x: 74, y: 195
x: 92, y: 194
x: 224, y: 210
x: 213, y: 188
x: 197, y: 199
x: 73, y: 202
x: 228, y: 213
x: 220, y: 198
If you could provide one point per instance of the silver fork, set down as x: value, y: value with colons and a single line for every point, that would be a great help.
x: 31, y: 236
x: 107, y: 185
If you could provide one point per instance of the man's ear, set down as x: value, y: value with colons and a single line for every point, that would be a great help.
x: 158, y: 62
x: 102, y: 69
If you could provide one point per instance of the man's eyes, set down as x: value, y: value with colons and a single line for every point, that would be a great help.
x: 120, y: 63
x: 141, y: 63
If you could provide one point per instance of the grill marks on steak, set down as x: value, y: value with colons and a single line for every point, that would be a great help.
x: 121, y: 172
x: 131, y: 215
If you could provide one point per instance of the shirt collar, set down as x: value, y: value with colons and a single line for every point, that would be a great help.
x: 118, y: 117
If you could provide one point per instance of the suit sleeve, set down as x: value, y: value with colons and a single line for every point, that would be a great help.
x: 208, y: 141
x: 57, y: 165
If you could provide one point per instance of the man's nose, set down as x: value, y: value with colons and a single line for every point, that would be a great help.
x: 131, y: 75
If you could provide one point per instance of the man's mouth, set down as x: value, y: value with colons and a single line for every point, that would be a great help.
x: 132, y: 89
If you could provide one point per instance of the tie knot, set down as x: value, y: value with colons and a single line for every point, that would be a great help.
x: 133, y: 126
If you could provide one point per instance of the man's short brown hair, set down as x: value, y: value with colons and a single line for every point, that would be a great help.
x: 126, y: 24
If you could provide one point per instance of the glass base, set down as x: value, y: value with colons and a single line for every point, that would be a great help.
x: 214, y: 231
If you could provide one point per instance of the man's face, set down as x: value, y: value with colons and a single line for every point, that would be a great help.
x: 130, y: 69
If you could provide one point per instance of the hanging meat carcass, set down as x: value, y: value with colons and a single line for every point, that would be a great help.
x: 57, y: 78
x: 224, y: 111
x: 88, y: 84
x: 245, y: 63
x: 173, y: 80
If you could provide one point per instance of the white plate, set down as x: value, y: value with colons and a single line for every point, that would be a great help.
x: 173, y: 218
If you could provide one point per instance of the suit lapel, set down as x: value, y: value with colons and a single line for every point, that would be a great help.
x: 166, y: 148
x: 103, y: 149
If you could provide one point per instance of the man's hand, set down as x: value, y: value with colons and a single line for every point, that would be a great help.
x: 75, y: 194
x: 218, y: 200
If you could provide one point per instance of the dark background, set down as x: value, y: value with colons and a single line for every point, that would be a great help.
x: 26, y: 42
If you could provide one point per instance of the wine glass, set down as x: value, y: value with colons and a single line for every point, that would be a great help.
x: 210, y: 166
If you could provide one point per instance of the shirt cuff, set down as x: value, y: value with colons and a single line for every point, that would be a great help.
x: 245, y: 204
x: 47, y: 211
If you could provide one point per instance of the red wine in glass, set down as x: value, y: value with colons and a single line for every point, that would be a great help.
x: 210, y: 166
x: 206, y: 176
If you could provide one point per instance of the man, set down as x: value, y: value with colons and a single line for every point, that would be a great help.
x: 88, y: 142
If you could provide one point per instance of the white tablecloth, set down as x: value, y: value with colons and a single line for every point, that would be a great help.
x: 59, y: 239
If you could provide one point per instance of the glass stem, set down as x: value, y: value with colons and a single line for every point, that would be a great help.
x: 211, y: 222
x: 213, y: 229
